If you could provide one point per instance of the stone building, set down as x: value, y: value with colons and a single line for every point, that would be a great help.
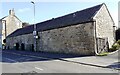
x: 9, y: 24
x: 85, y: 32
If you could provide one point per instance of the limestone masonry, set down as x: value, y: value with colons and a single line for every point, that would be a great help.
x: 85, y: 32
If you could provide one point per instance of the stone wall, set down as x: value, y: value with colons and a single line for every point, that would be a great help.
x: 77, y: 39
x: 104, y: 25
x: 73, y: 39
x: 27, y: 40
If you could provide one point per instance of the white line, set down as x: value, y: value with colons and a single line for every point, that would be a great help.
x: 10, y: 59
x: 38, y: 57
x: 38, y: 68
x: 28, y: 55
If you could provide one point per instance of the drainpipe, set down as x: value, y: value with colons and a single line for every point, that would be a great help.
x: 114, y: 32
x: 5, y: 27
x: 95, y: 37
x: 5, y: 32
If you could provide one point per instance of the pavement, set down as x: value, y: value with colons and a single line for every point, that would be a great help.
x: 43, y: 62
x: 109, y: 61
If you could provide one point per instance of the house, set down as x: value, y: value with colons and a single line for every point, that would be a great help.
x: 85, y: 32
x: 9, y: 24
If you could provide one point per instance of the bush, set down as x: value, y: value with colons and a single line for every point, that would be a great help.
x: 115, y: 46
x: 118, y: 42
x: 103, y: 54
x: 111, y: 50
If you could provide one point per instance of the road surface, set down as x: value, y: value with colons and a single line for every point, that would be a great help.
x: 37, y: 62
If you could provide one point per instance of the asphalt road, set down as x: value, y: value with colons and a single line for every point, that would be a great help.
x: 116, y: 56
x: 38, y: 62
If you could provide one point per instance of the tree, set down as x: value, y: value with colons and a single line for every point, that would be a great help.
x: 118, y: 34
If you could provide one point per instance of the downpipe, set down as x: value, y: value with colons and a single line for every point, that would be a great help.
x: 95, y: 36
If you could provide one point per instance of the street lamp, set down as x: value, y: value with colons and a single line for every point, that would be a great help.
x: 34, y: 31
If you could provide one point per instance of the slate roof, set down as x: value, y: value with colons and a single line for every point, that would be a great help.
x: 82, y: 16
x: 3, y: 17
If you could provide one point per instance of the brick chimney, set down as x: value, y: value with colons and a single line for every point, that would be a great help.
x: 11, y: 12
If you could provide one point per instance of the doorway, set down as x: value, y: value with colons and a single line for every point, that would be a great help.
x: 22, y: 46
x: 32, y: 47
x: 17, y: 46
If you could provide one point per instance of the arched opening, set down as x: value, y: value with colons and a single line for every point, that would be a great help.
x: 32, y: 47
x: 17, y: 46
x: 22, y: 46
x: 8, y: 47
x: 4, y: 41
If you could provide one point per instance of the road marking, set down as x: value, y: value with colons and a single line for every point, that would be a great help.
x: 10, y: 59
x: 39, y: 68
x: 27, y: 55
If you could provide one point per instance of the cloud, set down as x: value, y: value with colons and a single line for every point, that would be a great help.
x: 23, y: 10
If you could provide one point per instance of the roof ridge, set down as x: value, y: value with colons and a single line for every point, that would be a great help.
x: 72, y: 13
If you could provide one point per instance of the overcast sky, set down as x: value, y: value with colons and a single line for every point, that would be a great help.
x: 49, y: 9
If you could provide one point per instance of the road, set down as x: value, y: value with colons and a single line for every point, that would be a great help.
x: 39, y: 62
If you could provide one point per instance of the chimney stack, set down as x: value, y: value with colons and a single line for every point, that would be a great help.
x: 11, y: 12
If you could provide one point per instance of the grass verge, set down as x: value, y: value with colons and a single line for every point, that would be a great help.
x: 103, y: 54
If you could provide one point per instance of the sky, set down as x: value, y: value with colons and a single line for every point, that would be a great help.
x: 46, y: 10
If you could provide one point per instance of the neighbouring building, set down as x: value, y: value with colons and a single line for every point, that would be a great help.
x: 85, y: 32
x: 9, y: 24
x: 0, y: 35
